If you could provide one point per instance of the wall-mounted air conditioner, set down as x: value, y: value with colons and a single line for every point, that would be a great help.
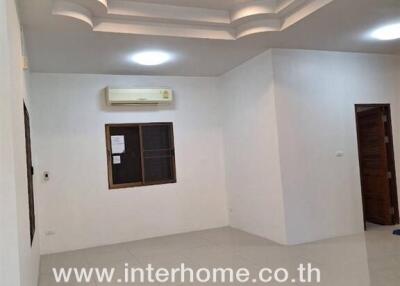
x: 138, y: 96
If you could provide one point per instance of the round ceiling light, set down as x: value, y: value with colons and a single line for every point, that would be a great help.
x: 151, y: 58
x: 386, y: 33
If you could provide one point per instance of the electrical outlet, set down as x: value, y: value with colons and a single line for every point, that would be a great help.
x: 50, y: 233
x: 339, y: 154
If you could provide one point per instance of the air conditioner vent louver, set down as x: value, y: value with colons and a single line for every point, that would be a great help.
x: 138, y: 96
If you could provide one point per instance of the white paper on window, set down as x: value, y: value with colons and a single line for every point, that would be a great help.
x: 116, y: 160
x: 118, y: 144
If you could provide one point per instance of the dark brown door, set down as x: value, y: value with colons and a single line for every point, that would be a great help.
x: 377, y: 165
x: 29, y: 173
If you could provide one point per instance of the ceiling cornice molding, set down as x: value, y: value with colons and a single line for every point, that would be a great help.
x: 163, y: 29
x: 253, y: 8
x: 104, y: 2
x: 168, y: 12
x: 73, y: 10
x: 133, y: 17
x: 304, y: 11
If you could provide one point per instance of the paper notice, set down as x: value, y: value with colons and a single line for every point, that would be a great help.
x: 118, y: 144
x: 116, y: 160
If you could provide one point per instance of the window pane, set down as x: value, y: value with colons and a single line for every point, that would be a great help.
x: 156, y: 137
x: 126, y: 166
x: 158, y: 169
x: 158, y: 153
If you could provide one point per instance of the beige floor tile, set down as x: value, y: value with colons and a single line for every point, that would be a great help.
x: 368, y: 259
x: 65, y: 260
x: 108, y: 254
x: 165, y: 245
x: 48, y: 280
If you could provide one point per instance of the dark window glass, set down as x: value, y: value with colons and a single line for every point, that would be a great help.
x: 129, y: 169
x: 156, y: 137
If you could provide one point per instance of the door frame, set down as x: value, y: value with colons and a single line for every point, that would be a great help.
x: 393, y: 189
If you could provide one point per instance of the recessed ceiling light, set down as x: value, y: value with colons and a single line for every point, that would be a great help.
x: 151, y: 58
x: 386, y: 33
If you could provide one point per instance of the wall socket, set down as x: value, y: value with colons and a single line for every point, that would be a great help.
x: 50, y: 233
x: 339, y: 154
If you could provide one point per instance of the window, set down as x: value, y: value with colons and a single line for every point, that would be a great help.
x: 140, y: 154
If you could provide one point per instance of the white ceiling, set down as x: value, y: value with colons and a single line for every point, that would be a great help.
x: 209, y: 4
x: 61, y: 44
x: 158, y: 19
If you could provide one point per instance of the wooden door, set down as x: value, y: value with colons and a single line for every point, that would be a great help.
x: 376, y: 170
x: 29, y: 171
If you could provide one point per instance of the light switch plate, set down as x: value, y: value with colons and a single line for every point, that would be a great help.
x: 25, y: 63
x: 339, y: 154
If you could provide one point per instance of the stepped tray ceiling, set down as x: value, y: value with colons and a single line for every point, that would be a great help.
x: 202, y: 37
x: 223, y: 20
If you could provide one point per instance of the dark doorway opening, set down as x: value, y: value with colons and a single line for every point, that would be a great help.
x: 377, y: 164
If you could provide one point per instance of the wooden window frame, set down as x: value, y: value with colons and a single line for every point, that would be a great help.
x: 143, y: 183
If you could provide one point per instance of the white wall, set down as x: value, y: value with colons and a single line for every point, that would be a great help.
x: 9, y: 260
x: 69, y: 114
x: 19, y: 261
x: 315, y: 97
x: 268, y: 132
x: 253, y: 176
x: 287, y: 114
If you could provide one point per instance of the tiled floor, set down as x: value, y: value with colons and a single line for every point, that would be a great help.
x: 370, y: 259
